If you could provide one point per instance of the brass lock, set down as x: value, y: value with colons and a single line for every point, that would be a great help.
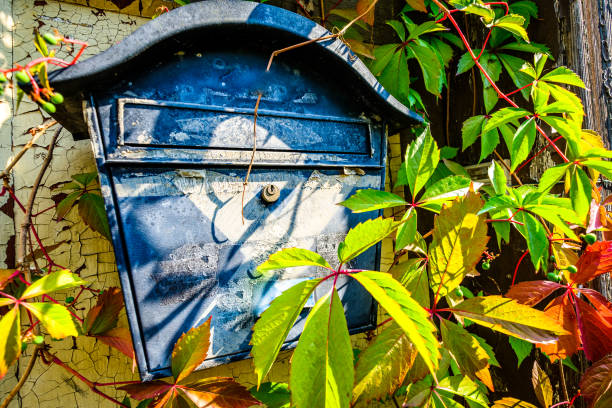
x: 270, y: 194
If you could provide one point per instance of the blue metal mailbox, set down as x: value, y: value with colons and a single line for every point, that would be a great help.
x: 170, y: 114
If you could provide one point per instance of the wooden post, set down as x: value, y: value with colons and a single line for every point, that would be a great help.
x: 585, y: 30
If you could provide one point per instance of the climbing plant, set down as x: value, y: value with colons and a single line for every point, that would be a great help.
x: 426, y: 352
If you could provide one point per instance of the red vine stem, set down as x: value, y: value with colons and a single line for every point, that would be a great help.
x: 517, y: 267
x: 91, y: 384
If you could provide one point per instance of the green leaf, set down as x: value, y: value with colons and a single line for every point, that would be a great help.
x: 540, y: 98
x: 322, y: 364
x: 514, y: 24
x: 363, y: 236
x: 488, y: 143
x: 563, y: 75
x: 492, y: 360
x: 56, y: 318
x: 420, y: 162
x: 59, y: 280
x: 85, y: 178
x: 567, y: 128
x: 382, y: 366
x: 490, y: 98
x: 92, y: 212
x: 491, y: 65
x: 10, y: 340
x: 510, y: 317
x: 466, y: 62
x: 69, y: 186
x: 407, y: 231
x: 448, y: 188
x: 471, y: 129
x: 557, y: 216
x: 397, y: 26
x: 604, y: 167
x: 521, y: 348
x: 476, y: 8
x: 513, y: 67
x: 459, y: 239
x: 580, y: 192
x: 190, y: 351
x: 419, y: 394
x: 472, y: 359
x: 413, y: 275
x: 447, y: 152
x: 522, y: 142
x: 536, y: 237
x: 552, y: 177
x: 41, y: 44
x: 426, y: 27
x: 464, y: 387
x: 431, y: 67
x: 370, y: 200
x: 292, y: 257
x: 273, y: 394
x: 272, y: 328
x: 384, y: 54
x: 503, y: 116
x: 66, y: 205
x: 498, y: 178
x: 405, y: 311
x: 562, y: 94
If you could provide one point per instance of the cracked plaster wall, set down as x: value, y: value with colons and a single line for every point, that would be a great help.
x: 81, y: 249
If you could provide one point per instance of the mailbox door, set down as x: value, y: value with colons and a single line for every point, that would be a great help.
x: 189, y: 256
x: 172, y: 155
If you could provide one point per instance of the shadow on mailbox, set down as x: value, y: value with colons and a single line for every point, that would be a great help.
x: 170, y: 113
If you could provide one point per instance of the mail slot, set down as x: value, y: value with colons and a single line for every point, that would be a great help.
x: 171, y: 118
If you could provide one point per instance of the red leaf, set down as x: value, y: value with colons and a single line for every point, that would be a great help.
x: 562, y: 310
x: 597, y: 379
x: 533, y: 292
x: 105, y: 314
x: 600, y: 303
x: 120, y: 339
x: 219, y: 392
x: 596, y: 260
x: 595, y: 332
x: 146, y: 390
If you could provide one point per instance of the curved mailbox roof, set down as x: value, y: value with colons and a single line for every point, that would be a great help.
x: 212, y: 24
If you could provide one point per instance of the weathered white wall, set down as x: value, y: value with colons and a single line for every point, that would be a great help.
x: 82, y: 250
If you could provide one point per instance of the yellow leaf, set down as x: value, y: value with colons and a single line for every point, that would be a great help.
x: 459, y: 239
x: 541, y: 385
x: 511, y: 403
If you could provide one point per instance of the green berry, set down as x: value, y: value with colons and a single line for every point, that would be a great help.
x: 39, y: 339
x: 24, y: 346
x: 552, y: 276
x: 572, y: 269
x: 3, y: 77
x: 459, y: 292
x: 486, y: 265
x: 22, y: 77
x: 57, y: 98
x: 50, y: 39
x: 48, y: 107
x: 69, y: 299
x: 589, y: 238
x: 553, y: 259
